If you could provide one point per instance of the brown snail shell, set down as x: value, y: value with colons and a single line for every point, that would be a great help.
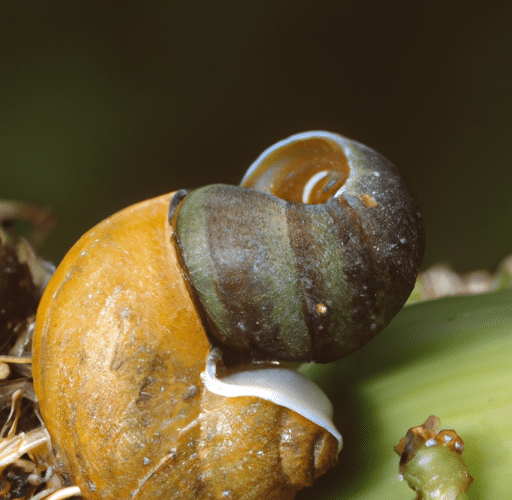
x: 118, y: 352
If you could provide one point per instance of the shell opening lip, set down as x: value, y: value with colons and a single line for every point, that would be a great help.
x: 294, y: 170
x: 311, y: 134
x: 282, y: 386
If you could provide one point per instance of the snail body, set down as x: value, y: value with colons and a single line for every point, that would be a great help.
x: 129, y: 344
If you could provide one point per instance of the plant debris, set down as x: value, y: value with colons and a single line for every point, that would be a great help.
x: 28, y: 467
x: 431, y: 462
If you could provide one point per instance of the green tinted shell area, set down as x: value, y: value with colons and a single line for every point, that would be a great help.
x: 285, y: 280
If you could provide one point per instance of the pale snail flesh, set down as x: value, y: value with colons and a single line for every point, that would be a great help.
x: 124, y: 369
x: 282, y: 386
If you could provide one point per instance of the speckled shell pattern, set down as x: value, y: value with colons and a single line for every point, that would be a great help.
x: 117, y: 356
x: 292, y: 272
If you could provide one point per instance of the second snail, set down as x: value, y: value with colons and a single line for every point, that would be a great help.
x: 158, y: 339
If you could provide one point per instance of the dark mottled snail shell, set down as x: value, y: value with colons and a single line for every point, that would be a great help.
x: 311, y: 257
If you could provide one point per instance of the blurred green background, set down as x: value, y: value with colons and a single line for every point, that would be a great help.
x: 103, y: 104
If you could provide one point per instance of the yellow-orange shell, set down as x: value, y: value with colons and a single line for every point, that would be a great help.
x: 117, y: 356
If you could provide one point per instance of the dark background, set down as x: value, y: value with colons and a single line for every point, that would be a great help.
x: 103, y: 104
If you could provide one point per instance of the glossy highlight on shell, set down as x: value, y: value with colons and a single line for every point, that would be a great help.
x: 157, y: 339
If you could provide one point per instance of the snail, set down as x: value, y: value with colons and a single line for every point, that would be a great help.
x: 157, y: 340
